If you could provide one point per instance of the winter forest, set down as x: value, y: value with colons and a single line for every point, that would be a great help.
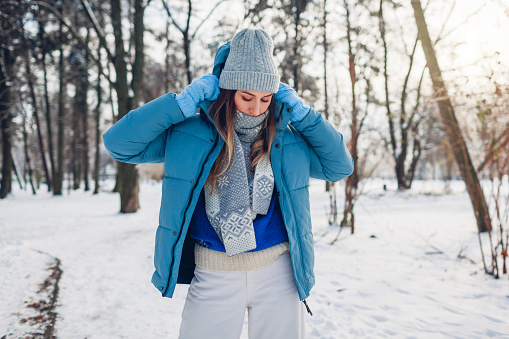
x: 413, y: 244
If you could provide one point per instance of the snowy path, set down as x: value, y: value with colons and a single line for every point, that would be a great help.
x: 394, y: 284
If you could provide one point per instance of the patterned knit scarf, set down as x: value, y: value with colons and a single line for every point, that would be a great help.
x: 240, y: 194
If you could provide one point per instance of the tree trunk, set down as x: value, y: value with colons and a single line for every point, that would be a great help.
x: 453, y: 131
x: 75, y: 144
x: 399, y: 152
x: 115, y: 118
x: 167, y: 59
x: 58, y: 180
x: 386, y: 81
x: 85, y: 153
x: 127, y: 182
x: 47, y: 110
x: 399, y: 155
x: 6, y: 119
x: 27, y: 155
x: 84, y: 82
x: 14, y: 167
x: 328, y: 185
x: 187, y: 53
x: 97, y: 115
x: 416, y: 155
x: 128, y: 187
x: 296, y: 46
x: 139, y: 50
x: 417, y: 149
x: 37, y: 120
x: 97, y: 156
x: 353, y: 180
x: 325, y: 51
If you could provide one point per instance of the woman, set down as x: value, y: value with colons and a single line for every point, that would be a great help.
x: 234, y: 219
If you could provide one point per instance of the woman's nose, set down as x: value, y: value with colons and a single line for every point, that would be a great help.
x: 256, y: 108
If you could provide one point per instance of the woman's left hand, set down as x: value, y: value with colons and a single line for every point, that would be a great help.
x: 287, y: 95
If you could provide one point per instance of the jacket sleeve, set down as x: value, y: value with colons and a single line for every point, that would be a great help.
x: 140, y: 136
x: 329, y: 157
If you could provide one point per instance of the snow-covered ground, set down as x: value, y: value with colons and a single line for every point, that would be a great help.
x: 398, y: 276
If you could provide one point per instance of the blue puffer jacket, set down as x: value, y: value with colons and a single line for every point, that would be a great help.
x: 158, y: 132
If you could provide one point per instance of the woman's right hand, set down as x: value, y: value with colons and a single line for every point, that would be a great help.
x: 288, y: 95
x: 205, y: 87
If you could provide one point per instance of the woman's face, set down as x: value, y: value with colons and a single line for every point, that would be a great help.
x: 252, y: 103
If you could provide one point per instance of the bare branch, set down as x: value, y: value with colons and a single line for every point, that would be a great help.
x: 14, y: 25
x: 416, y: 107
x: 468, y: 17
x: 206, y: 18
x: 503, y: 144
x: 451, y: 10
x: 73, y: 32
x: 405, y: 85
x: 171, y: 17
x: 188, y: 21
x: 97, y: 28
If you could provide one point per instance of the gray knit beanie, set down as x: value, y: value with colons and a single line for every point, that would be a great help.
x: 250, y: 65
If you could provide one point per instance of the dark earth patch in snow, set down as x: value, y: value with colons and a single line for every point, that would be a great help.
x: 45, y: 317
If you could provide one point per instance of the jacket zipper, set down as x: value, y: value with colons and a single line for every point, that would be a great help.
x: 283, y: 179
x: 284, y: 189
x: 185, y: 212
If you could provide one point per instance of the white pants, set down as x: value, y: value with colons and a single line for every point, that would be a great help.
x: 217, y: 301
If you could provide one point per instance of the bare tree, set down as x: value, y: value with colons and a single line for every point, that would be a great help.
x: 6, y: 64
x: 62, y: 88
x: 408, y: 122
x: 451, y: 125
x: 187, y: 35
x: 11, y: 38
x: 329, y: 186
x: 294, y: 28
x: 292, y: 20
x: 357, y: 116
x: 46, y: 46
x: 35, y: 109
x: 297, y: 7
x: 40, y: 47
x: 79, y: 63
x: 127, y: 182
x: 97, y: 108
x: 493, y: 133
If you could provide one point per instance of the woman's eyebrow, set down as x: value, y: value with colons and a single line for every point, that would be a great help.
x: 244, y: 92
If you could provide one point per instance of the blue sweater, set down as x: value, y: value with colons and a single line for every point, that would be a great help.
x: 269, y: 229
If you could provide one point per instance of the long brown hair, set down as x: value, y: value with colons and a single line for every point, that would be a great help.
x: 223, y: 111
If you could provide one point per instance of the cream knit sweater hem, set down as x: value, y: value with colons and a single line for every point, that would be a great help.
x: 219, y: 261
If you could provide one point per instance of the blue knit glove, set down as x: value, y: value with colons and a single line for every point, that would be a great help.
x: 288, y: 95
x: 205, y: 87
